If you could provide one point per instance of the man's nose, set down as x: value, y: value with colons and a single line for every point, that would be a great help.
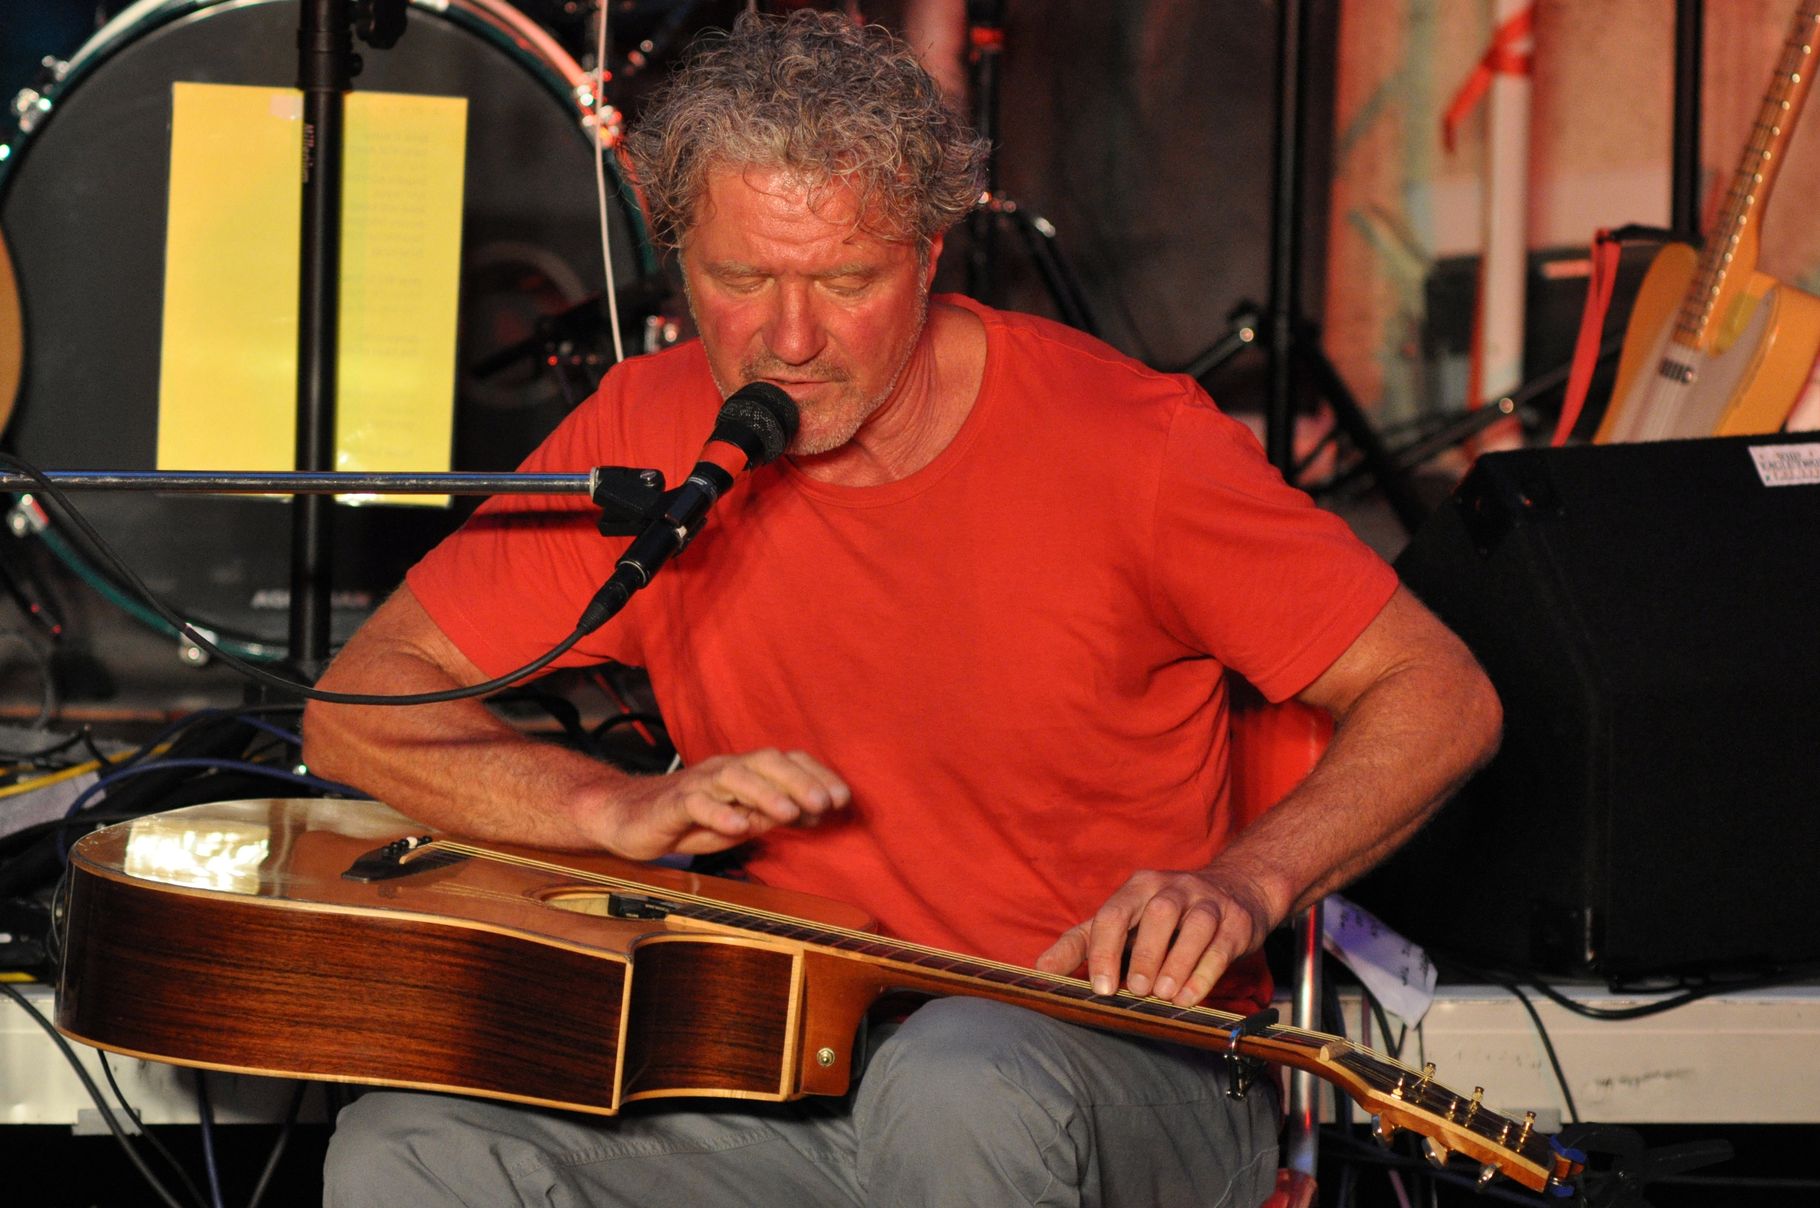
x: 795, y: 335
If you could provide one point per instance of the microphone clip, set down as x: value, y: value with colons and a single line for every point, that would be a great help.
x: 628, y: 499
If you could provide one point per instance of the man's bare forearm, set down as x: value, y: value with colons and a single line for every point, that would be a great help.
x: 452, y: 765
x: 456, y: 766
x: 1399, y: 751
x: 1415, y: 715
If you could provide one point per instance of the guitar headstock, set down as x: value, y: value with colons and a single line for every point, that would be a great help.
x: 1401, y: 1099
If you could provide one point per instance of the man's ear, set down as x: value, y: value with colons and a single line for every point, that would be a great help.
x: 935, y: 258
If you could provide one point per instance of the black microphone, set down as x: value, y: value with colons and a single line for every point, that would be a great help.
x: 754, y: 427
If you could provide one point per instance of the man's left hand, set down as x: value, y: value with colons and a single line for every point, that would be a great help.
x: 1189, y: 926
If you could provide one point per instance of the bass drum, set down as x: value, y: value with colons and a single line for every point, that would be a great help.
x: 83, y: 196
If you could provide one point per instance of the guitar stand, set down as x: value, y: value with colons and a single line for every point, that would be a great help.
x: 1299, y: 356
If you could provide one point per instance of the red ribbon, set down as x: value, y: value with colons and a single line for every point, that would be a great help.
x: 1505, y: 56
x: 1599, y: 283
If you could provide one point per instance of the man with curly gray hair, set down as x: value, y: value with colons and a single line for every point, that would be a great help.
x: 959, y: 658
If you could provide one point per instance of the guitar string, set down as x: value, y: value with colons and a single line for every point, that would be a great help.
x: 1371, y: 1068
x: 1797, y: 54
x: 1124, y: 999
x: 1204, y: 1017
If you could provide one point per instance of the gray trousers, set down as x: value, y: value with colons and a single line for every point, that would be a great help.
x: 968, y: 1102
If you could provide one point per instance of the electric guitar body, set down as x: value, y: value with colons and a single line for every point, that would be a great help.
x: 1714, y: 347
x: 1744, y: 382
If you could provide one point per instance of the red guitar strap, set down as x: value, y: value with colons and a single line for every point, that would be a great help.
x: 1599, y: 283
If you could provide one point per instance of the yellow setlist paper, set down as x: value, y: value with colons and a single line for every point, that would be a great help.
x: 228, y: 384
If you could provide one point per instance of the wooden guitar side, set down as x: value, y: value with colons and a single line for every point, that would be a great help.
x: 460, y: 980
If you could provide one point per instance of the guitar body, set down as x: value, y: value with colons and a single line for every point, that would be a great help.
x: 1743, y: 383
x: 483, y: 977
x: 1714, y: 347
x: 335, y: 940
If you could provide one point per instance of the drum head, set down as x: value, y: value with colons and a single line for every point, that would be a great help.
x: 84, y: 206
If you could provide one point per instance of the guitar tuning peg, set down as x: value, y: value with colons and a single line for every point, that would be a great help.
x: 1383, y: 1130
x: 1428, y: 1075
x: 1487, y: 1173
x: 1529, y: 1122
x: 1434, y: 1151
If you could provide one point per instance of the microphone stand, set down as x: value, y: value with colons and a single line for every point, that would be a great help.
x: 627, y: 496
x: 326, y: 67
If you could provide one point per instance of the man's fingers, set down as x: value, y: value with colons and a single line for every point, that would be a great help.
x: 1067, y: 953
x: 780, y: 789
x: 839, y: 795
x: 1199, y: 935
x: 1167, y: 930
x: 1212, y: 964
x: 1106, y: 938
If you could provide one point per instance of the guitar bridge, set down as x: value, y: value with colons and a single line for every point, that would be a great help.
x: 393, y: 860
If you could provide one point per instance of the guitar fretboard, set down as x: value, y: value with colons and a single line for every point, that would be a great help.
x: 1755, y: 176
x: 1378, y: 1083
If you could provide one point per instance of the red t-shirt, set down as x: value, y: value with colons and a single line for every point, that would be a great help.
x: 1015, y: 656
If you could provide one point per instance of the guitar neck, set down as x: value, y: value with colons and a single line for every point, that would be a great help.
x: 1722, y: 256
x: 1398, y: 1096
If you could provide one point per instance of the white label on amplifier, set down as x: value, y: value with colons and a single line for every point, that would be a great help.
x: 1787, y: 465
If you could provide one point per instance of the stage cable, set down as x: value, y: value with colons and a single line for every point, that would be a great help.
x: 278, y: 1146
x: 205, y: 1119
x: 1548, y: 1047
x: 604, y: 144
x: 100, y: 1101
x: 299, y: 779
x: 1684, y: 994
x: 151, y: 1138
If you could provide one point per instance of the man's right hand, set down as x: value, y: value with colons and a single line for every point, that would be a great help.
x: 719, y: 803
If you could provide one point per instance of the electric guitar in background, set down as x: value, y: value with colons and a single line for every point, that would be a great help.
x: 1714, y: 347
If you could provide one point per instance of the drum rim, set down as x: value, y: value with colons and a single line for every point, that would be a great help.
x: 493, y: 21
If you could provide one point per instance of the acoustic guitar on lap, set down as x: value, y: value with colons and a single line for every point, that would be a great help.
x: 336, y: 940
x: 1714, y: 347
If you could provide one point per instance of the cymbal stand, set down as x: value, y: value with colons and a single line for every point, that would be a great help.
x: 986, y: 43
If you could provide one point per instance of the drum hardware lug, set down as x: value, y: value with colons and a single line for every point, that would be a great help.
x: 32, y: 103
x: 661, y: 332
x: 28, y: 106
x: 191, y: 653
x: 27, y: 517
